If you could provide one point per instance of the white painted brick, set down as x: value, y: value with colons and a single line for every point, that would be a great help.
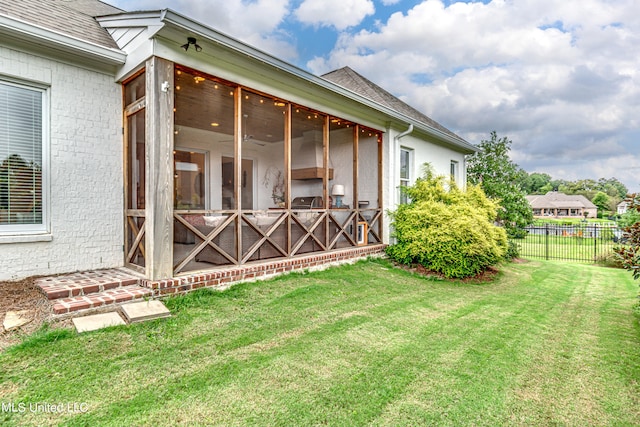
x: 86, y: 170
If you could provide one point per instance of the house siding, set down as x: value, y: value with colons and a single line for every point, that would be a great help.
x: 85, y: 163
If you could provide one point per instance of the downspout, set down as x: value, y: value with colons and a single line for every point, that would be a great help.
x: 396, y: 155
x: 405, y: 133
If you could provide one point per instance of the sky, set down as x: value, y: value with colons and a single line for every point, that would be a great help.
x: 559, y: 78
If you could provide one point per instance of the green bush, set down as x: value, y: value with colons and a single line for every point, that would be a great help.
x: 449, y: 231
x: 513, y: 250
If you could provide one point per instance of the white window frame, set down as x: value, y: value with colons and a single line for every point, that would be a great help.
x: 454, y: 170
x: 405, y: 181
x: 13, y: 233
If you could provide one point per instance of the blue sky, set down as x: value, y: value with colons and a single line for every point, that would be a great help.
x: 560, y: 78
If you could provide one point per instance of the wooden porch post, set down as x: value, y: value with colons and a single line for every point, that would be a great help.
x: 159, y: 164
x: 356, y: 197
x: 381, y: 205
x: 287, y: 173
x: 237, y: 169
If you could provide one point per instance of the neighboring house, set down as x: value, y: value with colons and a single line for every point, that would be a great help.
x: 151, y: 141
x: 554, y: 204
x: 622, y: 207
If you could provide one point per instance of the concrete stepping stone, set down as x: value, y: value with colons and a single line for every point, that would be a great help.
x: 97, y: 321
x: 145, y: 310
x: 15, y: 319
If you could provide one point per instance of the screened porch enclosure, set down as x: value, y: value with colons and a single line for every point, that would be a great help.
x: 252, y: 177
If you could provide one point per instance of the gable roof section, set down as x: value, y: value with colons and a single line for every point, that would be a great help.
x: 553, y: 199
x: 62, y: 29
x: 349, y: 79
x: 73, y: 18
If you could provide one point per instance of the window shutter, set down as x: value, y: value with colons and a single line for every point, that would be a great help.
x: 20, y: 155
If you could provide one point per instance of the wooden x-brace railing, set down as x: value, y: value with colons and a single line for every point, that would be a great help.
x: 341, y: 231
x: 309, y: 232
x: 206, y: 240
x: 265, y: 236
x: 138, y: 242
x: 371, y: 223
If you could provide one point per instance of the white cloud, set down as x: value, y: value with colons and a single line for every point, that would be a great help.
x: 254, y: 22
x: 558, y: 77
x: 340, y: 14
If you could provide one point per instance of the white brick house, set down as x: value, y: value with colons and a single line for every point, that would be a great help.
x: 138, y: 152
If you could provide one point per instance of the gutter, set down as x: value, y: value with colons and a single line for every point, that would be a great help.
x: 26, y: 32
x: 170, y: 17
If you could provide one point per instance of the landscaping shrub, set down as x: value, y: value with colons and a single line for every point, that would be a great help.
x: 513, y: 250
x: 629, y: 253
x: 449, y: 231
x: 608, y: 260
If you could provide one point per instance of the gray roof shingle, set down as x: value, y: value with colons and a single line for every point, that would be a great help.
x: 349, y: 79
x: 554, y: 199
x: 73, y: 18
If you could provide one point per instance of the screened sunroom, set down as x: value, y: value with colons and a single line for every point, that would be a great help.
x: 221, y: 175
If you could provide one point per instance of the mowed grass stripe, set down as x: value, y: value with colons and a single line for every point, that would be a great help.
x: 356, y: 345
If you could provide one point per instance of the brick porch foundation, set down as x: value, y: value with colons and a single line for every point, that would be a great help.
x: 94, y: 290
x: 222, y: 278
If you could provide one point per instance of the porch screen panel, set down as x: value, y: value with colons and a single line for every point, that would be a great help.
x: 204, y: 123
x: 205, y: 224
x: 136, y: 160
x: 262, y: 174
x: 369, y: 205
x: 307, y: 168
x: 263, y: 124
x: 368, y: 170
x: 307, y: 180
x: 21, y: 155
x: 341, y: 142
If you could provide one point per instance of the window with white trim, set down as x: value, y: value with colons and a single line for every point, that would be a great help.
x: 22, y: 154
x: 405, y: 171
x: 454, y: 171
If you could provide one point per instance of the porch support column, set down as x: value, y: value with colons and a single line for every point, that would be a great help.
x: 382, y: 230
x: 356, y: 196
x: 287, y: 173
x: 237, y: 169
x: 159, y: 164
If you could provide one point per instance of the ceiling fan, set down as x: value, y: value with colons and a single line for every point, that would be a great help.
x: 246, y: 137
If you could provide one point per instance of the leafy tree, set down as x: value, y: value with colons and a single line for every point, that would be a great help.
x: 630, y: 217
x: 613, y: 187
x: 536, y: 182
x: 446, y: 229
x: 497, y: 175
x: 557, y: 183
x: 601, y: 200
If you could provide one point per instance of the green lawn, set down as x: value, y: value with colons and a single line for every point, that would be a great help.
x: 546, y: 343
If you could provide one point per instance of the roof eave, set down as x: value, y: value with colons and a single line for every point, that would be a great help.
x: 173, y: 18
x: 23, y: 31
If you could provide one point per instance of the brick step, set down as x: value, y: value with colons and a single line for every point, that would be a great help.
x: 100, y: 299
x: 84, y: 283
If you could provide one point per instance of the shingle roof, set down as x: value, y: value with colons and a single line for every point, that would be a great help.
x: 353, y: 81
x: 70, y: 17
x: 553, y: 199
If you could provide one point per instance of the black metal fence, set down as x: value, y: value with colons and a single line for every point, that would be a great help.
x: 584, y: 242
